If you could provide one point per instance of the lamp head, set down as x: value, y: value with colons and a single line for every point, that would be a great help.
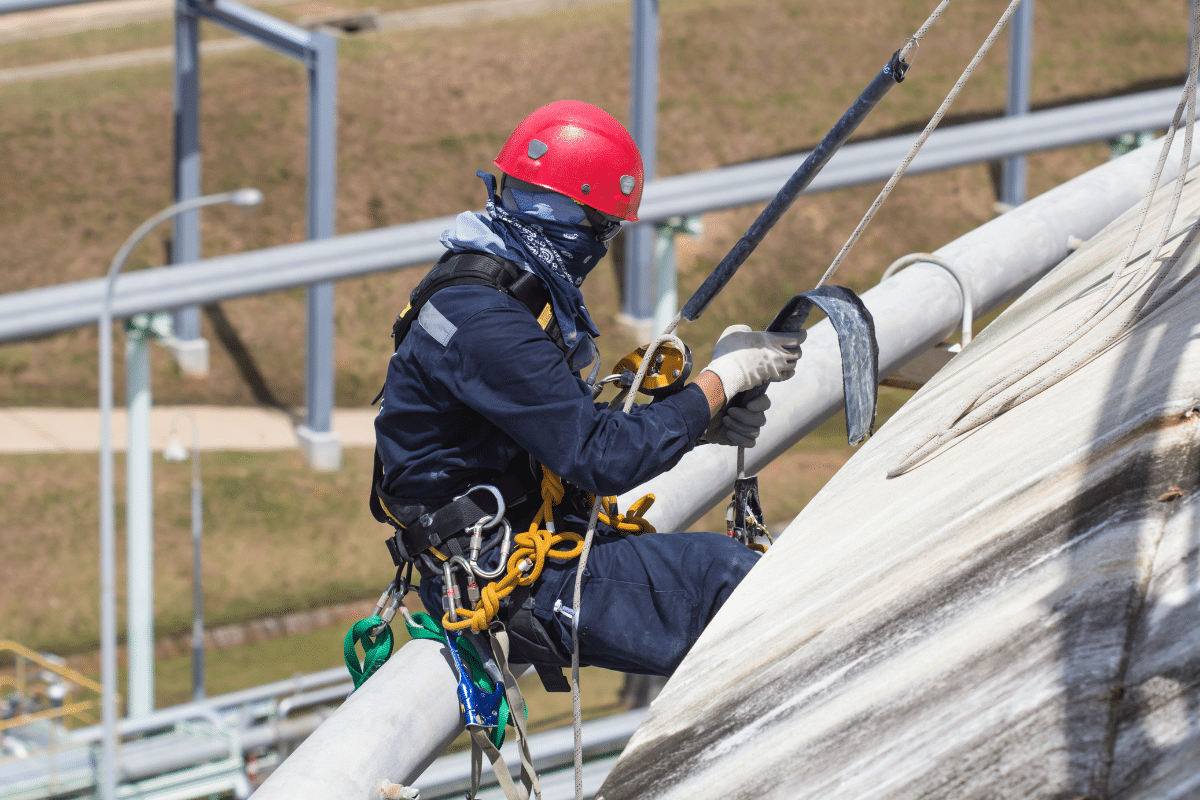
x: 175, y: 451
x: 246, y: 197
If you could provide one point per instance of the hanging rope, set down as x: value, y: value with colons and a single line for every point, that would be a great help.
x: 1007, y: 392
x: 916, y: 146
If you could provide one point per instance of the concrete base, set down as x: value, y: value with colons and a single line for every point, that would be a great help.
x: 191, y: 355
x: 322, y: 449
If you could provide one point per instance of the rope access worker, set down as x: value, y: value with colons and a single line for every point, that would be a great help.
x: 487, y: 395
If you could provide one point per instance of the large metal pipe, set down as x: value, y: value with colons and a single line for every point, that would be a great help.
x: 406, y: 714
x: 392, y: 728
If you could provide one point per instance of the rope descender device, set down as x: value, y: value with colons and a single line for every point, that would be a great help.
x: 667, y: 373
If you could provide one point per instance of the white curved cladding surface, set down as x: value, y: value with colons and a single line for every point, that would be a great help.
x: 1016, y: 617
x: 913, y: 311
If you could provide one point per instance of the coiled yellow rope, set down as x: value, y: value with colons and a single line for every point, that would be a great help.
x: 531, y: 548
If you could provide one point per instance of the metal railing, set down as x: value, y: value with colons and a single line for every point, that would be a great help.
x: 37, y: 312
x: 205, y: 744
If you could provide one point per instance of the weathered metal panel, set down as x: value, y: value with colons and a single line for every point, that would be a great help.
x: 1012, y: 618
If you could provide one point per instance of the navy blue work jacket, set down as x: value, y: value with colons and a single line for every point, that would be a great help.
x: 477, y: 386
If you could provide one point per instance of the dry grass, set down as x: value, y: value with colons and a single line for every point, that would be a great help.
x: 278, y: 537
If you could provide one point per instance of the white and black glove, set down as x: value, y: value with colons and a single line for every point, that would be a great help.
x: 743, y: 359
x: 738, y: 426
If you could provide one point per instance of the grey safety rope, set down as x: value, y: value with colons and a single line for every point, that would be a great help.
x: 1006, y: 393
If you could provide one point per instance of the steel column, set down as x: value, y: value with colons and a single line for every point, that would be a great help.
x: 1020, y: 70
x: 189, y: 348
x: 321, y: 444
x: 637, y: 301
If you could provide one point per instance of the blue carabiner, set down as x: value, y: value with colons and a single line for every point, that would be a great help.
x: 480, y: 708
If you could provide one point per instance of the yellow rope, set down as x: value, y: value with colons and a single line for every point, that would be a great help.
x: 531, y: 548
x: 631, y: 523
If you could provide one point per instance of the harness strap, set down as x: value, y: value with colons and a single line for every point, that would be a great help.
x: 418, y: 528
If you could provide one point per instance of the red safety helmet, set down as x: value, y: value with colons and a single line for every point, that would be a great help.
x: 580, y: 151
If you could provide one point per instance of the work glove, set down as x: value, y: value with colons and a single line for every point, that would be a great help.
x: 738, y: 426
x: 743, y: 359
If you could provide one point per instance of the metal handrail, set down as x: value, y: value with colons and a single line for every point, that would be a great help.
x: 47, y: 310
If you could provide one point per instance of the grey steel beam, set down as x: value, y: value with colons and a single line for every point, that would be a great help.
x: 283, y: 37
x: 13, y: 6
x: 637, y: 290
x: 1020, y: 72
x: 37, y: 312
x: 317, y: 50
x: 955, y: 146
x: 322, y: 445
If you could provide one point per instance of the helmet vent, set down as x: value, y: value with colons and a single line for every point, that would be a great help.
x: 627, y: 184
x: 537, y: 149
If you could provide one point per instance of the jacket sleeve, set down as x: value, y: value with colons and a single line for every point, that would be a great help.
x: 504, y: 366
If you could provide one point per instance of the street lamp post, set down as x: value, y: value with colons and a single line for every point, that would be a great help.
x: 108, y: 601
x: 175, y: 451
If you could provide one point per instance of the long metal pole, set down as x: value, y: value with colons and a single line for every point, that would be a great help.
x: 198, y: 690
x: 637, y: 297
x: 108, y: 598
x: 1020, y: 71
x: 139, y: 526
x: 185, y: 245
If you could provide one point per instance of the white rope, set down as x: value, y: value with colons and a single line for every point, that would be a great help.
x: 1007, y: 392
x: 915, y: 41
x: 912, y: 152
x: 666, y: 336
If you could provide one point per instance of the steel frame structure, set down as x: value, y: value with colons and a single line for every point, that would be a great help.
x: 317, y: 51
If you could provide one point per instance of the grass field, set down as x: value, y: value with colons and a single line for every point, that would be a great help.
x: 83, y: 160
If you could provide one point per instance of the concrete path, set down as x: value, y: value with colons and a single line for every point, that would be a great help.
x: 77, y: 430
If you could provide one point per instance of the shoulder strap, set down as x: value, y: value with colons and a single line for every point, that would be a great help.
x: 465, y: 269
x: 472, y: 269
